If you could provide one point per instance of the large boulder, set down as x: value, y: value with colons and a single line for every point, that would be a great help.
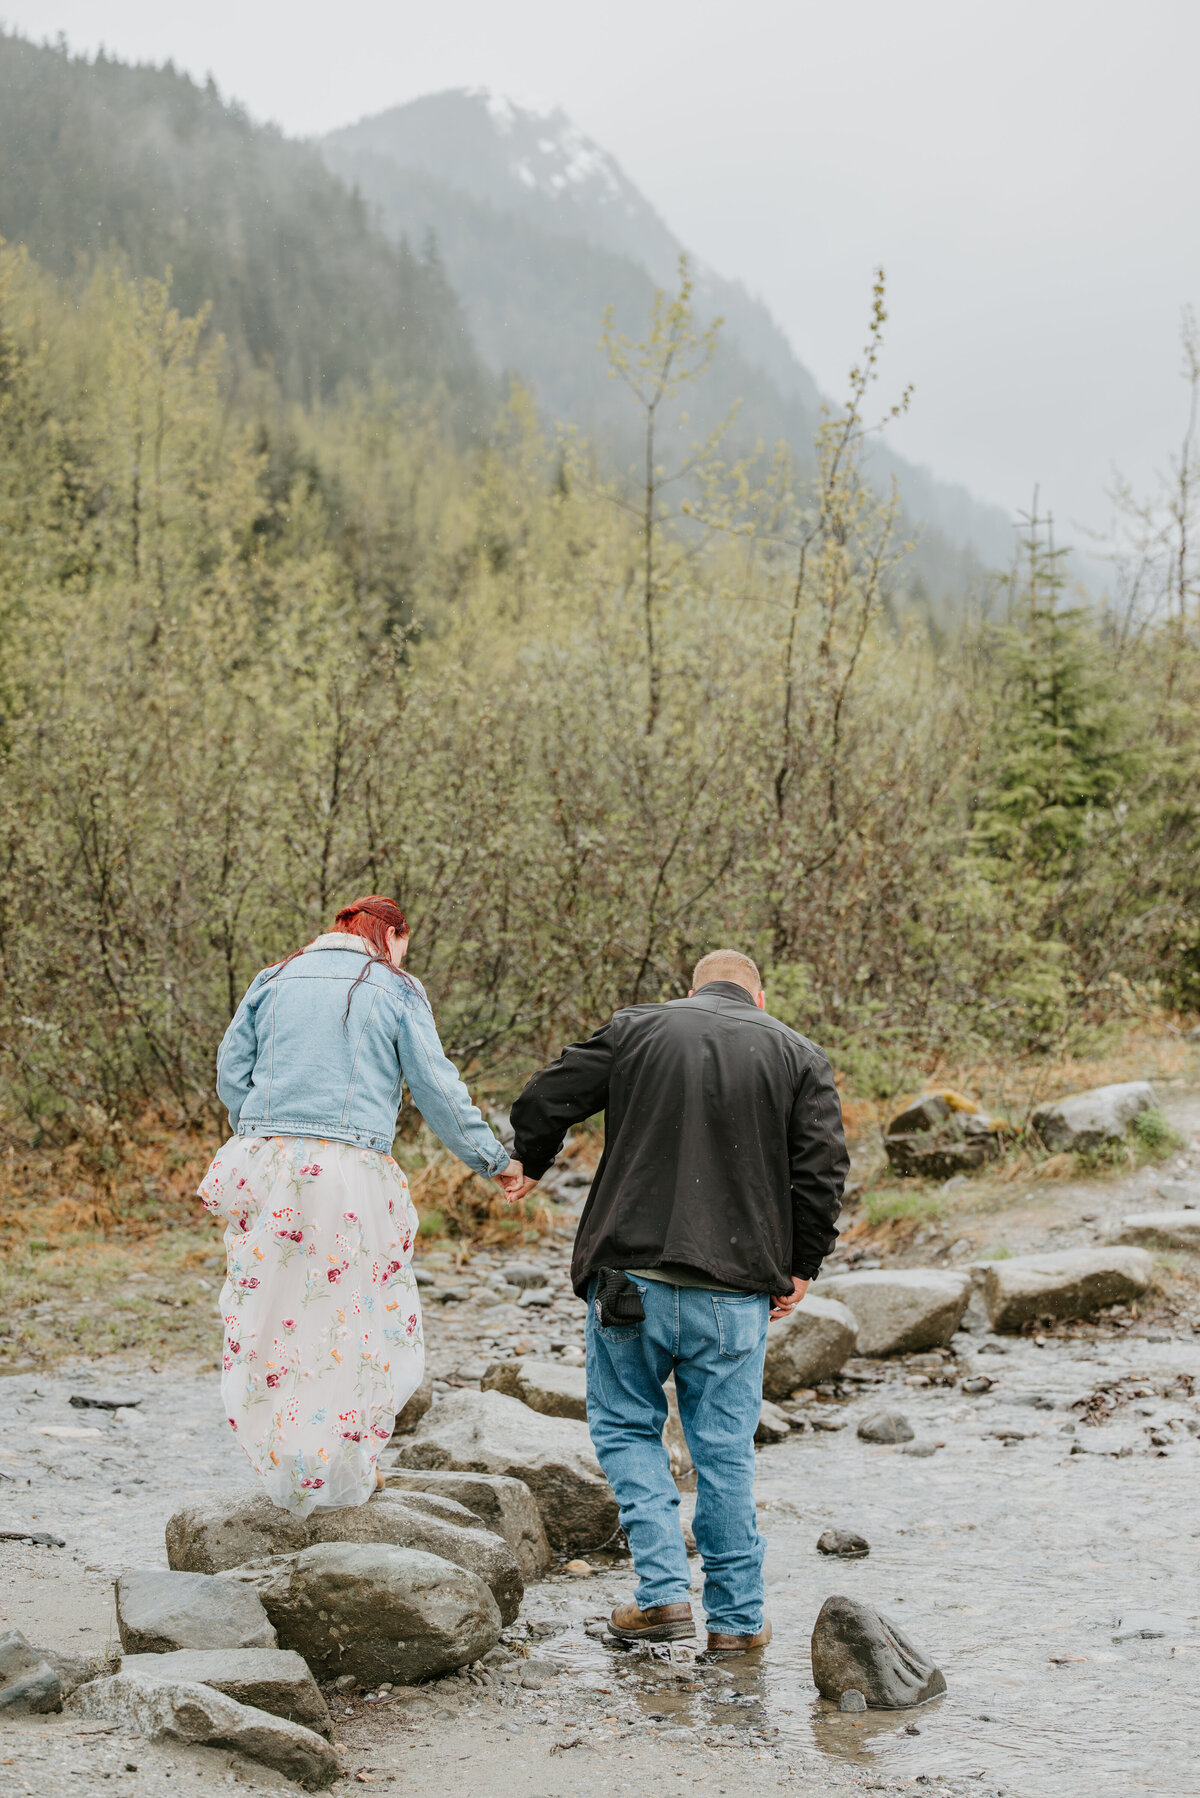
x: 809, y: 1345
x: 557, y: 1390
x: 487, y: 1432
x: 160, y: 1708
x: 411, y: 1413
x: 270, y: 1679
x: 28, y: 1680
x: 505, y: 1506
x: 1159, y: 1230
x: 376, y: 1612
x: 1086, y: 1121
x: 158, y: 1612
x: 1067, y: 1283
x: 211, y: 1537
x: 941, y: 1134
x: 855, y: 1649
x: 545, y: 1386
x: 899, y: 1311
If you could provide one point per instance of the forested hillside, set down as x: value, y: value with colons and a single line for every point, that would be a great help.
x: 253, y: 665
x: 99, y: 159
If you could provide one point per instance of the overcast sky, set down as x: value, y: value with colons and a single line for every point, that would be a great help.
x: 1024, y: 170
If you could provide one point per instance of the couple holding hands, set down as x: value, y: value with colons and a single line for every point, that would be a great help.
x: 713, y: 1205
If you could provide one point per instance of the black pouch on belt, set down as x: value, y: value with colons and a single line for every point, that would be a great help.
x: 619, y: 1300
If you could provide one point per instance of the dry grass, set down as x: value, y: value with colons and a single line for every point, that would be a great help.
x: 111, y: 1253
x: 1139, y: 1050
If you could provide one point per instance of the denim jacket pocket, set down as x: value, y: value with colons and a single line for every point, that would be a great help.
x: 740, y: 1323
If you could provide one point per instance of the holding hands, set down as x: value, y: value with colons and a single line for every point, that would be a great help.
x: 514, y: 1182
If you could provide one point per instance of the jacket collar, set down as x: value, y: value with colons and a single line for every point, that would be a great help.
x: 338, y: 939
x: 726, y: 989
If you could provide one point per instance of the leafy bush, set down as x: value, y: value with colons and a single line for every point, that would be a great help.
x: 1155, y: 1135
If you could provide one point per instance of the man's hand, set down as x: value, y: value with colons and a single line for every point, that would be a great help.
x: 784, y: 1306
x: 514, y: 1182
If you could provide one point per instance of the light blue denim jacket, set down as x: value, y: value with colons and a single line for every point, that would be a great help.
x: 292, y: 1064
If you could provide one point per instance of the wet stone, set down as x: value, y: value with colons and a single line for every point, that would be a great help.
x: 846, y: 1543
x: 852, y: 1700
x: 186, y: 1711
x: 28, y: 1682
x: 158, y: 1612
x: 856, y: 1648
x: 885, y: 1426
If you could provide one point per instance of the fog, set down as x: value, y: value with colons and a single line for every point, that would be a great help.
x: 1023, y: 173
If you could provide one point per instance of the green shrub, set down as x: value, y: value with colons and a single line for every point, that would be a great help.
x: 1155, y: 1135
x: 920, y: 1206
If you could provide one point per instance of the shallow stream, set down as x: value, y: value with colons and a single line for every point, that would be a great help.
x: 1018, y: 1565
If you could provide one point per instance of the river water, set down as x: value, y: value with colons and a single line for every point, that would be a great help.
x: 1016, y: 1555
x: 1015, y: 1564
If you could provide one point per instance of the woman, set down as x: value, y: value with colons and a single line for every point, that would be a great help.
x: 322, y: 1321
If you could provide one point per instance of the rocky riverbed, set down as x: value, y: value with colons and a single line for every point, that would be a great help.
x: 1034, y: 1535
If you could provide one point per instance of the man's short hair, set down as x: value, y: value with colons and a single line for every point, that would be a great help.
x: 726, y: 964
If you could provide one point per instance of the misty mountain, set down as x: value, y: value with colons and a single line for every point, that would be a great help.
x: 99, y: 160
x: 540, y: 229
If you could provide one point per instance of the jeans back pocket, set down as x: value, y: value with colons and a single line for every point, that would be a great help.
x: 741, y: 1323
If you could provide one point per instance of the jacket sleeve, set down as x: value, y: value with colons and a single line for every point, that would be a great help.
x: 819, y: 1165
x: 439, y: 1094
x: 236, y: 1057
x: 572, y: 1088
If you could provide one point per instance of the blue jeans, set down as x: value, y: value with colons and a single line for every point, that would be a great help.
x: 714, y: 1344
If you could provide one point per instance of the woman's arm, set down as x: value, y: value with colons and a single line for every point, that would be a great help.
x: 438, y: 1092
x: 236, y: 1058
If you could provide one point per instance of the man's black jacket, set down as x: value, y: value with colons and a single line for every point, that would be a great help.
x: 723, y: 1141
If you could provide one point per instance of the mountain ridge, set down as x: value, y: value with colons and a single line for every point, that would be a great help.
x: 469, y: 165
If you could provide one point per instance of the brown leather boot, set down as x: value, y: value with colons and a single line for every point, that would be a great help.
x: 661, y: 1623
x: 721, y: 1644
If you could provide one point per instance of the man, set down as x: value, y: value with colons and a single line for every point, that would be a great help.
x: 713, y: 1205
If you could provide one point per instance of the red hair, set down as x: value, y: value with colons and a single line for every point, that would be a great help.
x: 369, y: 918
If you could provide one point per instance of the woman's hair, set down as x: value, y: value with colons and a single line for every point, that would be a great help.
x: 369, y: 918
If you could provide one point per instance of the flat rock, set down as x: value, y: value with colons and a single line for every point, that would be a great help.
x: 187, y: 1711
x: 1086, y: 1121
x: 270, y: 1679
x: 855, y: 1648
x: 524, y: 1274
x: 1066, y: 1283
x: 545, y: 1386
x: 375, y: 1612
x: 885, y: 1426
x: 808, y: 1346
x: 105, y: 1401
x: 1160, y: 1230
x: 503, y: 1505
x: 158, y: 1612
x: 900, y: 1310
x: 414, y: 1409
x: 773, y: 1426
x: 846, y: 1543
x: 28, y: 1682
x: 1184, y: 1194
x: 488, y: 1432
x: 213, y: 1537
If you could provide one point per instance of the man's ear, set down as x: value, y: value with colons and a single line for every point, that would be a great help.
x: 691, y: 992
x: 760, y: 999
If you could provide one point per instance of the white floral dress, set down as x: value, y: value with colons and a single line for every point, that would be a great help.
x: 323, y: 1341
